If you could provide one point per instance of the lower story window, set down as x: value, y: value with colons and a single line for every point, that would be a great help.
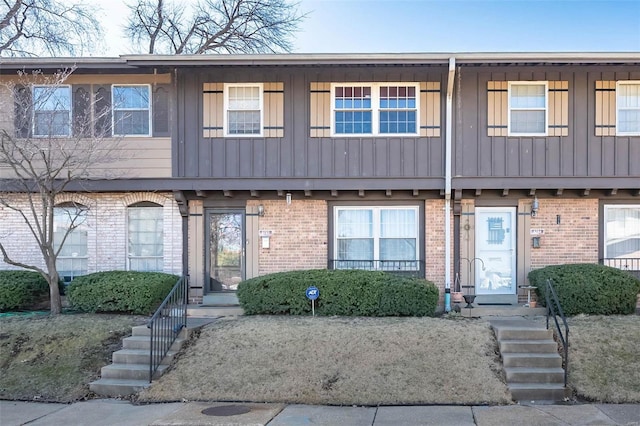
x: 622, y: 236
x: 70, y: 237
x: 145, y: 236
x: 377, y: 238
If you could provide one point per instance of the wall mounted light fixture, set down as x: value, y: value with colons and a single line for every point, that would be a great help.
x: 260, y: 210
x: 288, y: 198
x: 535, y: 205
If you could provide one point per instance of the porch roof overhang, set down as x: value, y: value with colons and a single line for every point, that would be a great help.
x: 138, y: 62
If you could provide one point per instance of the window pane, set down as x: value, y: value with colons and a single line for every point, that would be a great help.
x: 629, y: 121
x: 355, y: 249
x: 244, y: 98
x: 398, y: 249
x: 131, y: 122
x: 397, y: 115
x: 629, y: 96
x: 528, y: 96
x: 398, y: 223
x: 244, y: 122
x: 51, y: 123
x: 528, y: 122
x: 355, y: 223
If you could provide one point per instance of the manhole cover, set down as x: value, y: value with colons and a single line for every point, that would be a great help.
x: 226, y: 410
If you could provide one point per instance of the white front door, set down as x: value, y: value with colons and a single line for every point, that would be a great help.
x: 496, y: 248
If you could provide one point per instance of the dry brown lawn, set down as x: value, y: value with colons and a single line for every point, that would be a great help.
x: 364, y: 361
x: 604, y: 358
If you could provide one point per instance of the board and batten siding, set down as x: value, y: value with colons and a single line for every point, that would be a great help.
x: 581, y: 139
x: 293, y: 144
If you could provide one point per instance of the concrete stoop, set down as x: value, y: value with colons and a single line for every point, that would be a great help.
x: 217, y: 305
x: 532, y: 364
x: 129, y: 372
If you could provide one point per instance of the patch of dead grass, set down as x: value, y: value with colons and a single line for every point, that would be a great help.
x: 53, y: 359
x: 604, y: 357
x: 364, y: 361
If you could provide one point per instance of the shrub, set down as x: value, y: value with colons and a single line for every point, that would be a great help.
x: 342, y: 292
x: 120, y: 291
x: 589, y: 288
x: 22, y: 289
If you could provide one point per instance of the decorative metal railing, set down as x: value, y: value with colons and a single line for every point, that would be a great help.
x: 166, y: 324
x: 631, y: 264
x: 553, y: 310
x: 402, y: 267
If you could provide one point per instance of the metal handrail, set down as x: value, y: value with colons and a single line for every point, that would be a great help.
x: 629, y: 264
x: 166, y: 323
x: 553, y: 303
x: 404, y: 267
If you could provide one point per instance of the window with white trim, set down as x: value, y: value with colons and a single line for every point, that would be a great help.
x: 70, y: 231
x: 131, y: 109
x: 52, y: 111
x: 375, y: 109
x: 622, y: 231
x: 528, y: 108
x: 628, y: 108
x: 378, y: 238
x: 145, y: 237
x: 243, y: 107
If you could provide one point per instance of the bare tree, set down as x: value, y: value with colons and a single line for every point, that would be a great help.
x: 44, y: 149
x: 53, y: 27
x: 214, y: 26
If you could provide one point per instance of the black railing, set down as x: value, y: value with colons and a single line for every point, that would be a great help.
x: 166, y: 324
x: 413, y: 268
x: 630, y: 264
x: 553, y: 310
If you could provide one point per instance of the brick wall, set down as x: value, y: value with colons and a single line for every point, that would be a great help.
x: 574, y: 240
x: 107, y: 231
x: 435, y: 244
x: 299, y: 239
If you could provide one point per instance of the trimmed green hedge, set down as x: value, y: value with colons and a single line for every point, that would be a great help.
x: 588, y: 288
x: 120, y: 291
x: 342, y: 292
x: 22, y: 290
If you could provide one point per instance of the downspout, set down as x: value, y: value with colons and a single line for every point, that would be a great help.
x: 447, y: 184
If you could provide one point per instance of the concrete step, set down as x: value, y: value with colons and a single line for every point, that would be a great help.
x: 138, y: 356
x: 500, y: 311
x: 201, y: 311
x: 523, y: 333
x: 226, y: 298
x: 539, y: 392
x: 528, y: 346
x: 144, y: 342
x: 532, y: 360
x: 130, y: 371
x: 118, y: 387
x: 143, y: 330
x: 534, y: 375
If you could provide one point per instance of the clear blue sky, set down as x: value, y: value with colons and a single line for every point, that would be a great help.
x: 372, y: 26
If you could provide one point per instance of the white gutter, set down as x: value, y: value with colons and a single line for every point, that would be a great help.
x: 447, y: 183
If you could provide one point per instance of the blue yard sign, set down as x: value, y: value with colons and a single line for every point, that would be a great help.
x: 312, y: 294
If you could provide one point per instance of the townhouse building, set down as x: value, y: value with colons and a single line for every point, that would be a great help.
x: 466, y: 169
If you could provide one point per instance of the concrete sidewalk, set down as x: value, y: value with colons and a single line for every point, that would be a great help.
x: 109, y: 412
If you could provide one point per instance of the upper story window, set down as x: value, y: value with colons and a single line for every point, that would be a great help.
x: 628, y: 108
x: 131, y: 110
x: 243, y: 109
x: 375, y: 109
x: 528, y: 108
x: 51, y: 111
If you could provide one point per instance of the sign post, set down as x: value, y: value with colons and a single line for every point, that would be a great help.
x: 312, y: 294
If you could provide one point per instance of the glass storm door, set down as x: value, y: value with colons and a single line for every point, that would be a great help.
x: 226, y: 250
x: 496, y: 247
